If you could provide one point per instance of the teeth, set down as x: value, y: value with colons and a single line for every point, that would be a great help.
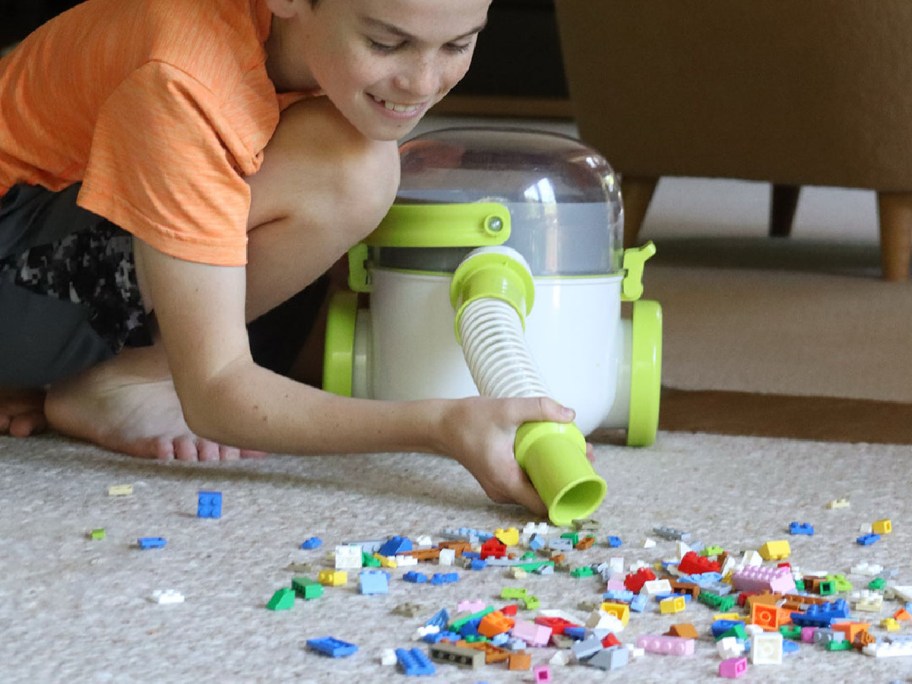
x: 397, y: 107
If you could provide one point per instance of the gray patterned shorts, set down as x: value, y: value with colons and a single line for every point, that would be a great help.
x: 68, y: 291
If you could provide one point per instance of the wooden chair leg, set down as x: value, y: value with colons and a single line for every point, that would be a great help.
x: 783, y: 202
x: 895, y: 209
x: 637, y: 192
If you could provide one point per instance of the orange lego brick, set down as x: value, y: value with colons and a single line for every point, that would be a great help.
x: 685, y: 630
x: 769, y: 616
x: 520, y: 660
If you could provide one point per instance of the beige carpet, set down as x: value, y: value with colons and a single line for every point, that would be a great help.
x: 792, y: 337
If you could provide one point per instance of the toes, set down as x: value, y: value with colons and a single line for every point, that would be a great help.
x: 249, y: 453
x: 26, y: 424
x: 185, y: 449
x: 229, y: 453
x: 207, y: 451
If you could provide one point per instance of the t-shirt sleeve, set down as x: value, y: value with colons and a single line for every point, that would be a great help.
x: 160, y: 168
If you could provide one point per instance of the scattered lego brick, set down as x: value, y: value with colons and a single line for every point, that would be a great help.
x: 209, y: 505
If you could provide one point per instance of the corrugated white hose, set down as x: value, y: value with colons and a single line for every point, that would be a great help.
x: 492, y: 290
x: 495, y: 351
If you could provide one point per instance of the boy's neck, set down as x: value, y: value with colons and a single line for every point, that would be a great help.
x: 286, y: 70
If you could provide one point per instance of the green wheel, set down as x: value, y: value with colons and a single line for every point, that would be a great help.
x: 338, y: 354
x: 645, y: 373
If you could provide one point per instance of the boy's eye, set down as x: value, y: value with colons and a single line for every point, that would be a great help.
x: 458, y: 47
x: 383, y: 47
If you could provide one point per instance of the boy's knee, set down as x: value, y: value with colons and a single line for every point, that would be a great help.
x: 318, y: 159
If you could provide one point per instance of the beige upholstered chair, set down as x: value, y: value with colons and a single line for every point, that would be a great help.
x: 809, y: 92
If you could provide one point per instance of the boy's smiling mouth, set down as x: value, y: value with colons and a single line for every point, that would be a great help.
x: 400, y: 108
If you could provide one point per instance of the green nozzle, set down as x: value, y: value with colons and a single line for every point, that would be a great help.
x: 553, y: 455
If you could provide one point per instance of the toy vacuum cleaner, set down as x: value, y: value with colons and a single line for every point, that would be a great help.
x: 500, y: 270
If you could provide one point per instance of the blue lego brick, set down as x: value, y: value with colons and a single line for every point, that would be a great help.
x: 151, y: 542
x: 373, y: 581
x: 801, y: 528
x: 415, y: 577
x: 414, y: 662
x: 614, y: 542
x: 477, y: 564
x: 575, y: 632
x: 440, y: 619
x: 721, y: 626
x: 334, y: 648
x: 536, y: 542
x: 394, y: 546
x: 638, y: 603
x: 821, y: 615
x: 868, y: 539
x: 312, y: 543
x: 209, y: 505
x: 441, y: 636
x: 789, y: 646
x: 622, y: 595
x: 444, y: 578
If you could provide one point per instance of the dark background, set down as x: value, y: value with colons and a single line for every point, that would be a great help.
x: 518, y: 54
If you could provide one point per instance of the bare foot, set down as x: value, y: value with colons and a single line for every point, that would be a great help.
x: 129, y: 404
x: 21, y: 412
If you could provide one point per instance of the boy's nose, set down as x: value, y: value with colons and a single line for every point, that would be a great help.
x: 420, y: 78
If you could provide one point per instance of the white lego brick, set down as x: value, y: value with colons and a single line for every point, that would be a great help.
x: 883, y: 649
x: 729, y: 647
x: 446, y: 557
x: 766, y: 649
x: 167, y: 596
x: 348, y: 557
x: 655, y: 587
x: 866, y: 569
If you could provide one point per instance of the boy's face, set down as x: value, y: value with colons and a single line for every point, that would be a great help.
x: 383, y: 63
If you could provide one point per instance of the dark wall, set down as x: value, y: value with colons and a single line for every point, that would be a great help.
x: 518, y: 53
x: 18, y: 18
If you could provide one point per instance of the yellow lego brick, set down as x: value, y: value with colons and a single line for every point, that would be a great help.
x: 884, y: 526
x: 386, y: 561
x: 775, y: 550
x: 619, y: 610
x: 120, y: 490
x: 674, y: 604
x: 510, y: 536
x: 728, y: 616
x: 890, y: 624
x: 332, y: 578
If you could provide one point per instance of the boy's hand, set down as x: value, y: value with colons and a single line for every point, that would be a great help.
x: 479, y: 433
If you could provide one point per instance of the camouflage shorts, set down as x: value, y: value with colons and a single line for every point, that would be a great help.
x: 69, y: 297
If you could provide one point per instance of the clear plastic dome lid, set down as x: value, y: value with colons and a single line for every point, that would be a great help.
x: 563, y: 197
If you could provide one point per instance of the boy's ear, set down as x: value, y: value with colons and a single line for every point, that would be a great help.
x: 284, y: 9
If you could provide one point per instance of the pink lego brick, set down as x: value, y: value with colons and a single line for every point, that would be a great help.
x: 754, y: 578
x: 807, y: 634
x: 665, y: 645
x: 541, y: 673
x: 531, y: 633
x: 732, y: 668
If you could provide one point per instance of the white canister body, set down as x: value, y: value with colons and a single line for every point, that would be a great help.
x: 571, y: 333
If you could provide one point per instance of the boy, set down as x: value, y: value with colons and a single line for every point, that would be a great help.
x: 243, y: 145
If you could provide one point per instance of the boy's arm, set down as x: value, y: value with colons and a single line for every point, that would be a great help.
x: 226, y: 397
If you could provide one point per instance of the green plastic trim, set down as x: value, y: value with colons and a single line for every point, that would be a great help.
x: 492, y: 275
x: 645, y: 373
x: 471, y: 224
x: 339, y: 352
x: 553, y: 455
x: 358, y: 276
x: 633, y: 264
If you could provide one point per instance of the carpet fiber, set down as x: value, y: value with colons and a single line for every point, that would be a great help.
x: 77, y: 610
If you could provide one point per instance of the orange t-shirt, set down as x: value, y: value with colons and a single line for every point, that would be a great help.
x: 159, y: 108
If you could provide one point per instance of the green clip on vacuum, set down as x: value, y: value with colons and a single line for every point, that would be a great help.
x: 488, y: 223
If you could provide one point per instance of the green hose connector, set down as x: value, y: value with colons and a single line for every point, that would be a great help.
x: 553, y: 455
